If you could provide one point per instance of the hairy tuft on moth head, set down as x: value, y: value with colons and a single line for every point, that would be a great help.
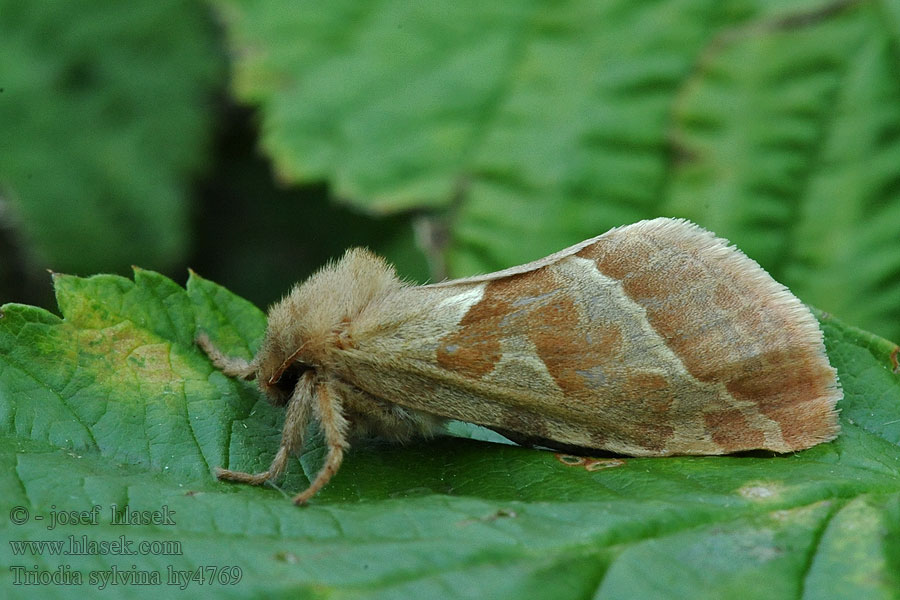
x: 653, y: 339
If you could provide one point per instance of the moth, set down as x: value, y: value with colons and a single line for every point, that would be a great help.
x: 653, y: 339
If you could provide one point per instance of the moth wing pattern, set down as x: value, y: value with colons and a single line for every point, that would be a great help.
x: 653, y: 339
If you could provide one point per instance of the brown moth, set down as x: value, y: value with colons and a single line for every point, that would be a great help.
x: 652, y: 339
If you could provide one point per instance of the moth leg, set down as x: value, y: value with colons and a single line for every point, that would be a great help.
x: 334, y: 425
x: 295, y: 421
x: 230, y: 365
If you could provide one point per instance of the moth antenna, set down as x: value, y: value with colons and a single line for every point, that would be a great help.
x: 335, y: 427
x: 232, y: 366
x: 295, y: 421
x: 284, y: 365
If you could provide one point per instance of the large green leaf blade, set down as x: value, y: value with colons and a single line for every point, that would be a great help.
x: 113, y: 404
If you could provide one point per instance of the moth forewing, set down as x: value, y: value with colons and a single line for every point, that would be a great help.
x: 653, y: 339
x: 688, y: 347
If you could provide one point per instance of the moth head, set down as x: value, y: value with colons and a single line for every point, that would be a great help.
x: 279, y: 367
x: 289, y: 349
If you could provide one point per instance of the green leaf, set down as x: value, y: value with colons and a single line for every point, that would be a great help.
x: 103, y: 127
x: 113, y: 404
x: 777, y: 125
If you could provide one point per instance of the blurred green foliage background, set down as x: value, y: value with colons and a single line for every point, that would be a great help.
x: 253, y: 140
